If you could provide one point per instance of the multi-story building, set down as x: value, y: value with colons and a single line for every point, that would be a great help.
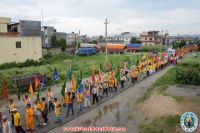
x: 151, y: 38
x: 71, y: 37
x: 19, y: 41
x: 47, y: 33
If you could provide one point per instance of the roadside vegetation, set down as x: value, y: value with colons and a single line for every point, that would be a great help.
x: 188, y: 73
x: 153, y: 48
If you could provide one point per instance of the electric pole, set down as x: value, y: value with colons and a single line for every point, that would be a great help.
x: 106, y: 24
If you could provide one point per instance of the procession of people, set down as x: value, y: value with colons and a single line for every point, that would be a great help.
x: 86, y: 93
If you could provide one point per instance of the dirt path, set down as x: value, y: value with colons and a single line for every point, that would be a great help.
x: 119, y: 111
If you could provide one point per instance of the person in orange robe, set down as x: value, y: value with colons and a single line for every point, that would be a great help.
x: 29, y: 117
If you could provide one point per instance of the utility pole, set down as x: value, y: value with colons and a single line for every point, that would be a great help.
x: 77, y: 41
x: 106, y: 24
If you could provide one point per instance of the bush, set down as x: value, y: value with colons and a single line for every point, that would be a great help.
x: 191, y: 77
x: 152, y: 48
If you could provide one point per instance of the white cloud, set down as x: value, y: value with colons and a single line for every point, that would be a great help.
x: 124, y: 15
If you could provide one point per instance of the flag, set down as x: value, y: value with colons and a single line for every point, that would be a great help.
x: 55, y: 77
x: 70, y: 74
x: 117, y: 76
x: 31, y: 90
x: 73, y: 84
x: 5, y: 95
x: 18, y: 91
x: 107, y: 65
x: 38, y: 93
x: 93, y: 76
x: 63, y: 88
x: 37, y: 82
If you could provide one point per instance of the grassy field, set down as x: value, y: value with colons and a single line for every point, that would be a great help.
x: 168, y: 124
x: 165, y: 124
x: 63, y: 63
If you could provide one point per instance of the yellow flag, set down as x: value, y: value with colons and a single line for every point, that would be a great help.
x: 73, y: 84
x: 31, y: 90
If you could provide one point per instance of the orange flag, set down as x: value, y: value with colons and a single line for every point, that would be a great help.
x: 31, y: 90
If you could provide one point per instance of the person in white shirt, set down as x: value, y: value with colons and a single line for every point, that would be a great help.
x: 6, y: 125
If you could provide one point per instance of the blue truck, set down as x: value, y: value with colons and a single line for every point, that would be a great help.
x: 133, y: 47
x: 86, y: 51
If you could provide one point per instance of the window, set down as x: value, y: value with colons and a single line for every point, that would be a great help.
x: 18, y: 44
x: 145, y: 38
x: 150, y: 39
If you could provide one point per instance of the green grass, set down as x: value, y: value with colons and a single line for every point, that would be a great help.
x: 165, y: 124
x: 62, y: 62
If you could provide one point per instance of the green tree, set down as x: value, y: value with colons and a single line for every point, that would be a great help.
x: 135, y: 40
x: 57, y: 44
x: 53, y: 41
x: 62, y: 44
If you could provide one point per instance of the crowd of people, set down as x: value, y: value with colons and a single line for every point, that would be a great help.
x: 103, y: 85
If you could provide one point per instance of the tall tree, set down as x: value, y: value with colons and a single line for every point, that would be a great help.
x: 53, y: 41
x: 63, y: 44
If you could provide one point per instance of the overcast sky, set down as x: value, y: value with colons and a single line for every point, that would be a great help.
x: 177, y: 16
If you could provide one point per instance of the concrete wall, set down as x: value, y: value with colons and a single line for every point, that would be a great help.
x: 30, y: 49
x: 30, y: 28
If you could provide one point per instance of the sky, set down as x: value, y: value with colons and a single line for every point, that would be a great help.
x: 88, y: 16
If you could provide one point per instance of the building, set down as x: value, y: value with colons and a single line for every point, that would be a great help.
x: 151, y: 38
x: 127, y: 36
x: 71, y: 37
x: 19, y: 41
x: 47, y: 33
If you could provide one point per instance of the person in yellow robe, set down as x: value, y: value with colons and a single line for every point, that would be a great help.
x: 29, y: 118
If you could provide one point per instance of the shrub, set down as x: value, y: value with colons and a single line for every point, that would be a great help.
x: 152, y: 48
x: 191, y: 77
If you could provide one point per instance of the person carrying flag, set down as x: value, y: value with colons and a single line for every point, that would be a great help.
x: 27, y: 101
x: 11, y: 106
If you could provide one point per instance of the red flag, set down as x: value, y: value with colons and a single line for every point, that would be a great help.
x: 107, y: 66
x: 5, y: 95
x: 37, y: 82
x: 93, y: 76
